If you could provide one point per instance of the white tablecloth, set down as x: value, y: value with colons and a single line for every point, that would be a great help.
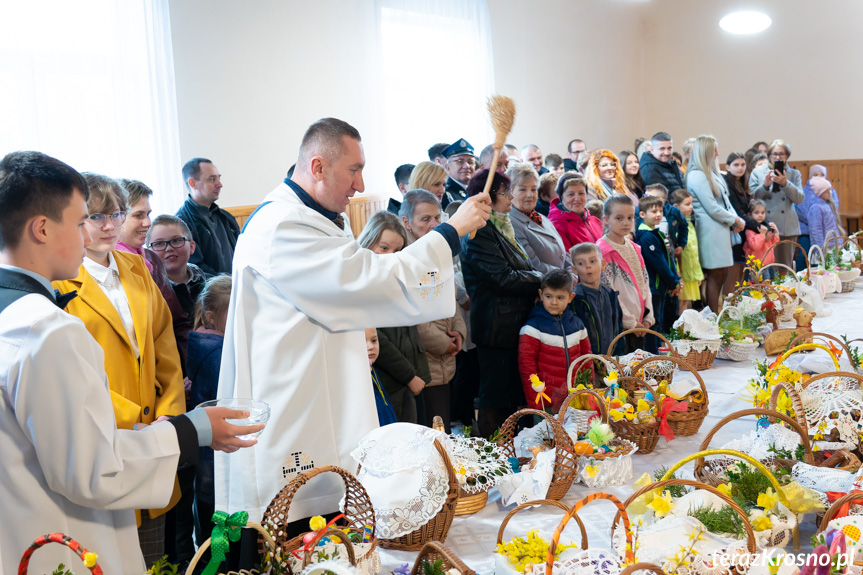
x: 473, y: 537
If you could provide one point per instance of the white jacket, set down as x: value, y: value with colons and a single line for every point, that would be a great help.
x: 65, y: 467
x: 302, y: 294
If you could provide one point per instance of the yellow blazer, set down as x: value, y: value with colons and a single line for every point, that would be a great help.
x: 144, y: 390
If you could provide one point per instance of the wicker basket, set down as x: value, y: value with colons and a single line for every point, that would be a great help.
x: 269, y: 546
x: 825, y: 518
x: 42, y: 540
x: 533, y: 504
x: 564, y: 459
x: 793, y: 256
x: 834, y: 343
x: 688, y: 422
x: 632, y: 569
x: 645, y: 436
x: 573, y: 511
x: 735, y: 351
x: 659, y: 372
x: 432, y: 551
x: 627, y: 448
x: 438, y: 528
x: 467, y: 503
x: 662, y: 484
x: 585, y: 415
x: 707, y: 473
x: 357, y: 505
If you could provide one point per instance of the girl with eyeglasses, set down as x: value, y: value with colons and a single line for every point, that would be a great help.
x: 122, y: 308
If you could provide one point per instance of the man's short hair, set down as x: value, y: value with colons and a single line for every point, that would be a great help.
x: 661, y: 137
x: 530, y: 147
x: 575, y: 141
x: 325, y: 138
x: 585, y: 249
x: 33, y: 184
x: 646, y: 203
x: 192, y: 169
x: 403, y: 173
x: 136, y: 190
x: 556, y: 279
x: 659, y: 188
x: 553, y: 161
x: 485, y: 155
x: 436, y: 151
x: 412, y: 199
x: 169, y: 220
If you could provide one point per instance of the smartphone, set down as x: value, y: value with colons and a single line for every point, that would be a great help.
x: 779, y: 166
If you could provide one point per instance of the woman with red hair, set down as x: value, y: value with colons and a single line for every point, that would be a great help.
x: 605, y: 177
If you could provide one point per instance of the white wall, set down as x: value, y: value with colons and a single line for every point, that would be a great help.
x: 251, y: 76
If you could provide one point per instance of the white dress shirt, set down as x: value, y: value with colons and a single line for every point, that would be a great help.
x: 108, y: 279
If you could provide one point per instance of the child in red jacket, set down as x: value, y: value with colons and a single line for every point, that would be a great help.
x: 550, y: 341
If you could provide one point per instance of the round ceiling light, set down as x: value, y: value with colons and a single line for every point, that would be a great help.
x: 745, y: 22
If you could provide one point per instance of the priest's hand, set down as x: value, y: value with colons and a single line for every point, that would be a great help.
x: 225, y: 434
x: 472, y: 214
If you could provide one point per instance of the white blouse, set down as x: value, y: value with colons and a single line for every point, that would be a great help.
x: 108, y: 279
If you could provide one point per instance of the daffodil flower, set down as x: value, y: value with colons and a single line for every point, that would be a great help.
x: 768, y: 499
x: 762, y: 523
x: 724, y: 488
x: 663, y: 505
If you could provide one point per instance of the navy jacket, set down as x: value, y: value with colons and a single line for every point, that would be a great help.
x: 655, y: 172
x: 209, y: 233
x: 678, y: 229
x: 599, y: 311
x: 661, y: 267
x: 203, y: 362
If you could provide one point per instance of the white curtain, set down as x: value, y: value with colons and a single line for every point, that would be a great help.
x: 436, y: 72
x: 91, y: 82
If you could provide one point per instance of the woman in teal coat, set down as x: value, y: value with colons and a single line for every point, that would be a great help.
x: 715, y: 218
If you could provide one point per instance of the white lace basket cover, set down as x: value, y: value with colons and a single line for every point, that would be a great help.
x: 404, y: 476
x: 468, y: 463
x: 658, y: 370
x: 822, y: 480
x: 834, y: 403
x: 572, y: 561
x: 337, y: 556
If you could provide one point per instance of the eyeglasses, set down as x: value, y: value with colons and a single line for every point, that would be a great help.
x: 778, y: 155
x: 100, y: 219
x: 175, y: 243
x: 461, y: 161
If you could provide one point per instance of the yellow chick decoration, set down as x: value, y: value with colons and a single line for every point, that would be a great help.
x: 317, y: 523
x: 539, y: 387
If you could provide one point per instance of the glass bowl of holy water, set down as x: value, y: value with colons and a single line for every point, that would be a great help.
x: 259, y: 412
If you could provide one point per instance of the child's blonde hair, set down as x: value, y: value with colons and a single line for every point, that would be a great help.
x: 215, y: 298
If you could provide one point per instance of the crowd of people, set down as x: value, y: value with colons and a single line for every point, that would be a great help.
x: 576, y: 250
x: 640, y: 236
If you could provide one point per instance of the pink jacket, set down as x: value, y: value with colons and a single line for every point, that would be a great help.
x: 572, y: 228
x: 617, y: 275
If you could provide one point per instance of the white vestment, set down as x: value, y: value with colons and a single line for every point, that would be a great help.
x: 302, y: 294
x: 65, y: 467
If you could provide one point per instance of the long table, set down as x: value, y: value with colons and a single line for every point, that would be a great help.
x: 473, y: 537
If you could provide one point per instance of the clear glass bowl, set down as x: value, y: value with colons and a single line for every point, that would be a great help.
x: 259, y: 412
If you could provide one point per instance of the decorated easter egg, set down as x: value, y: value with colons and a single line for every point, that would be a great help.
x: 583, y: 448
x: 852, y: 532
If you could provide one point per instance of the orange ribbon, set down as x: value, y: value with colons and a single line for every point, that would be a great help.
x: 843, y: 510
x: 541, y: 394
x: 668, y: 405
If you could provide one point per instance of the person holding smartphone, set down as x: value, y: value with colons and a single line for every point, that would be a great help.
x: 779, y: 186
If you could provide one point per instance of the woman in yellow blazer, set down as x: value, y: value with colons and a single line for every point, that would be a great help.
x: 124, y: 311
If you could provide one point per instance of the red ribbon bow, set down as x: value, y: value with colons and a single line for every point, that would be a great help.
x: 843, y: 511
x: 669, y: 404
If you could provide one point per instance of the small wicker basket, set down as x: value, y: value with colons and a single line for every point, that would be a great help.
x: 627, y: 447
x: 357, y: 505
x: 645, y: 436
x: 658, y: 372
x: 534, y: 504
x: 62, y: 539
x: 432, y: 551
x: 707, y: 473
x: 564, y: 458
x: 688, y: 422
x: 467, y: 503
x: 735, y: 351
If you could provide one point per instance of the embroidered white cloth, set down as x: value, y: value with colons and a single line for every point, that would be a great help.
x: 605, y: 472
x: 759, y: 441
x: 478, y: 463
x: 529, y: 484
x: 700, y: 325
x: 404, y: 476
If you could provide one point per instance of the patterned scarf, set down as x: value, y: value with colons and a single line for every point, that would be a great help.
x: 502, y: 223
x: 534, y: 216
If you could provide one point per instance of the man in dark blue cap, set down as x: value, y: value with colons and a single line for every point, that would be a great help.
x: 460, y: 167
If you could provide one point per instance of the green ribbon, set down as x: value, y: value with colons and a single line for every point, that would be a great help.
x: 227, y: 528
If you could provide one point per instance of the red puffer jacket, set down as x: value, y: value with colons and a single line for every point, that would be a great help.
x: 573, y: 228
x: 547, y: 345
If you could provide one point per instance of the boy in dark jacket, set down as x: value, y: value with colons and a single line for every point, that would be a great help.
x: 660, y: 263
x: 675, y: 228
x: 550, y: 341
x: 594, y: 304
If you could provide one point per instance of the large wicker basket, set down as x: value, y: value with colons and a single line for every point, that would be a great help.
x: 533, y: 505
x: 707, y: 472
x: 734, y: 351
x: 357, y: 505
x: 626, y: 448
x: 433, y: 551
x: 467, y: 503
x: 645, y: 436
x: 688, y: 422
x: 564, y: 458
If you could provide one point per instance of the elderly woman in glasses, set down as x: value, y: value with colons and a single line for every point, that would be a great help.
x: 123, y: 310
x: 780, y: 190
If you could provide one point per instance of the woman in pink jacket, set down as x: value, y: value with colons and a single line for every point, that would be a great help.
x: 568, y: 214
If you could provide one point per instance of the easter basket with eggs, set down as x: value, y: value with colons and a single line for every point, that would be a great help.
x: 604, y: 459
x: 739, y: 342
x: 632, y: 416
x: 543, y: 455
x: 350, y: 536
x: 686, y: 403
x: 582, y: 373
x: 659, y: 371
